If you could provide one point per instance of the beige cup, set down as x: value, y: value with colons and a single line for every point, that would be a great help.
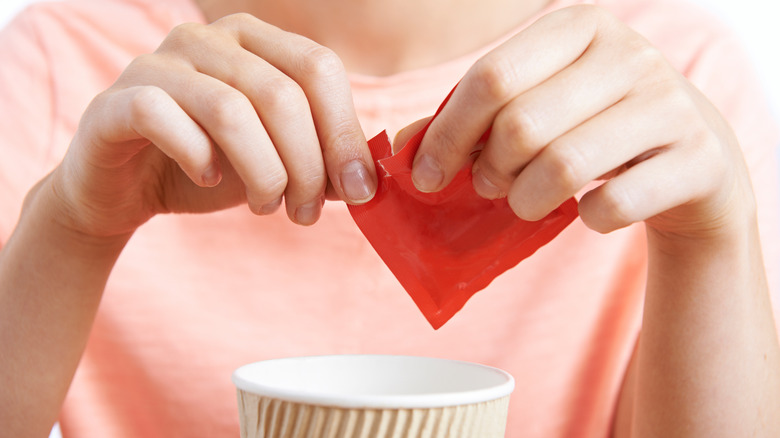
x: 362, y: 396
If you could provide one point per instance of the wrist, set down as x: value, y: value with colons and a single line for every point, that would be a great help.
x: 47, y: 212
x: 720, y: 221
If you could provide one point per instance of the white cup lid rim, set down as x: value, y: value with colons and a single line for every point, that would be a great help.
x: 374, y: 381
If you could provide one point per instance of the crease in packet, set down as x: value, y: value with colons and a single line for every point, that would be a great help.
x: 444, y: 247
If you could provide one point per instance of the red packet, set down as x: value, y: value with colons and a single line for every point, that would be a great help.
x: 446, y: 246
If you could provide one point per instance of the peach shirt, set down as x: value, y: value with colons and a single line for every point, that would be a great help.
x: 195, y: 296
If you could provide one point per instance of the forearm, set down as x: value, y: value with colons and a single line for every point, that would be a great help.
x: 51, y: 281
x: 707, y: 362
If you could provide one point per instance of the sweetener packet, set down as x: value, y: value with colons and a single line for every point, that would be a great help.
x: 446, y: 246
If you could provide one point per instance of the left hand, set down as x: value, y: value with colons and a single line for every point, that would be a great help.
x: 578, y: 97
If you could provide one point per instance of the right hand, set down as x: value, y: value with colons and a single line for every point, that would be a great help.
x: 231, y: 112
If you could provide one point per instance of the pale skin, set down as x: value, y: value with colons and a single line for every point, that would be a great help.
x: 576, y: 97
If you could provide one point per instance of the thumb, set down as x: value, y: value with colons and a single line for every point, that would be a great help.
x: 404, y: 135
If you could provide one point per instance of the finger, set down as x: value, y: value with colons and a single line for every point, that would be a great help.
x: 665, y: 181
x: 321, y: 75
x: 545, y: 112
x: 404, y: 135
x: 608, y: 141
x: 513, y: 68
x: 285, y: 113
x: 281, y: 106
x: 152, y: 114
x: 230, y: 119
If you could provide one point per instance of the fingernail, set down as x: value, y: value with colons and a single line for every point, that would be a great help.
x: 271, y: 206
x: 211, y: 175
x: 308, y: 214
x: 427, y: 174
x: 483, y: 186
x: 356, y: 182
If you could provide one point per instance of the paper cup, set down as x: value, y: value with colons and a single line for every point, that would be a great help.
x: 362, y: 396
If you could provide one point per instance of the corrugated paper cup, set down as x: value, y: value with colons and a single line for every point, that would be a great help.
x: 362, y: 396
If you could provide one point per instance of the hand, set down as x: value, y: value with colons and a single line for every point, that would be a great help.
x: 579, y: 97
x: 220, y: 114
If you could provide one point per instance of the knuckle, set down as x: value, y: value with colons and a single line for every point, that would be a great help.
x: 709, y: 148
x: 342, y: 131
x: 236, y: 20
x: 648, y: 58
x: 493, y: 78
x: 269, y: 187
x: 585, y: 15
x: 274, y: 183
x: 566, y: 165
x: 315, y: 177
x: 710, y: 144
x: 144, y: 103
x: 319, y: 61
x: 681, y: 108
x: 309, y: 182
x: 185, y: 34
x: 280, y: 94
x: 521, y: 128
x: 599, y: 14
x: 617, y: 206
x: 444, y: 138
x: 228, y: 109
x: 235, y: 24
